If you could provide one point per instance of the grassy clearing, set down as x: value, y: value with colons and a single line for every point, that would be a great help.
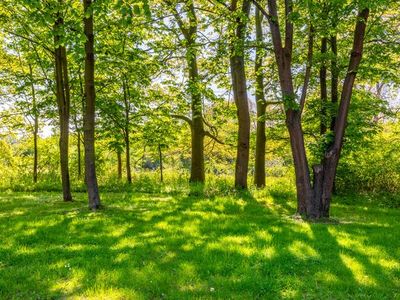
x: 174, y: 246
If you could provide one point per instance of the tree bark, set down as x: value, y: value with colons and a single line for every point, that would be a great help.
x: 126, y: 133
x: 89, y: 116
x: 323, y: 86
x: 79, y: 155
x: 35, y: 127
x: 283, y: 56
x: 63, y: 101
x: 332, y: 155
x: 334, y: 80
x: 119, y: 158
x: 239, y: 86
x: 189, y: 31
x: 259, y: 170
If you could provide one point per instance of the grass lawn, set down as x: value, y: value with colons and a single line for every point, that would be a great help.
x: 150, y: 246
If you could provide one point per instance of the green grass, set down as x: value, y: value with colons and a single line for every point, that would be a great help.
x: 174, y: 246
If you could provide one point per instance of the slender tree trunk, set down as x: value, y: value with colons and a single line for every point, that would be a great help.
x: 332, y: 155
x: 259, y: 171
x: 63, y: 101
x: 334, y: 89
x: 79, y: 156
x: 334, y: 81
x: 126, y: 133
x: 161, y: 162
x: 89, y: 117
x: 189, y: 31
x: 239, y: 85
x: 35, y: 127
x: 323, y: 87
x: 128, y: 157
x: 119, y: 158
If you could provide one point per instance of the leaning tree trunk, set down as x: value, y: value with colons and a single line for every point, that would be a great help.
x: 239, y: 85
x: 35, y: 127
x: 334, y: 81
x: 259, y: 167
x: 89, y: 116
x: 283, y: 56
x: 63, y: 101
x: 327, y: 170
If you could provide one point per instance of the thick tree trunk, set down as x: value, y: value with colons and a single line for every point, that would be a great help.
x: 239, y: 86
x: 35, y: 127
x: 161, y: 162
x: 63, y: 101
x: 259, y: 170
x: 283, y: 55
x: 89, y: 117
x: 302, y: 173
x: 323, y: 87
x: 119, y: 158
x: 126, y: 133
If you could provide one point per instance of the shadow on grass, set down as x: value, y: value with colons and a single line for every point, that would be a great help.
x: 179, y: 247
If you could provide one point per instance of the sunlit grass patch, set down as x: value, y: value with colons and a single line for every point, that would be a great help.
x: 154, y: 246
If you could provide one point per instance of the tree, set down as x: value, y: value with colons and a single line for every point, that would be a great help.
x: 313, y: 199
x: 259, y: 164
x: 63, y: 99
x: 239, y: 87
x: 90, y: 104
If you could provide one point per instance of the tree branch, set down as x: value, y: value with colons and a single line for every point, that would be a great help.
x: 207, y: 133
x: 182, y: 117
x: 308, y: 69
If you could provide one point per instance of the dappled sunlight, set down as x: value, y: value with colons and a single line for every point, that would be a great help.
x: 189, y: 247
x: 236, y: 244
x: 303, y: 251
x: 358, y: 270
x: 326, y: 276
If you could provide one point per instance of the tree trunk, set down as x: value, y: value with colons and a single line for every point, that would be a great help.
x: 332, y: 155
x: 189, y: 31
x: 334, y: 80
x: 259, y: 170
x: 197, y: 128
x: 35, y: 127
x: 323, y: 87
x: 161, y: 162
x: 239, y: 85
x: 89, y: 116
x: 63, y: 101
x: 79, y: 155
x: 126, y: 133
x: 283, y: 56
x: 119, y: 158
